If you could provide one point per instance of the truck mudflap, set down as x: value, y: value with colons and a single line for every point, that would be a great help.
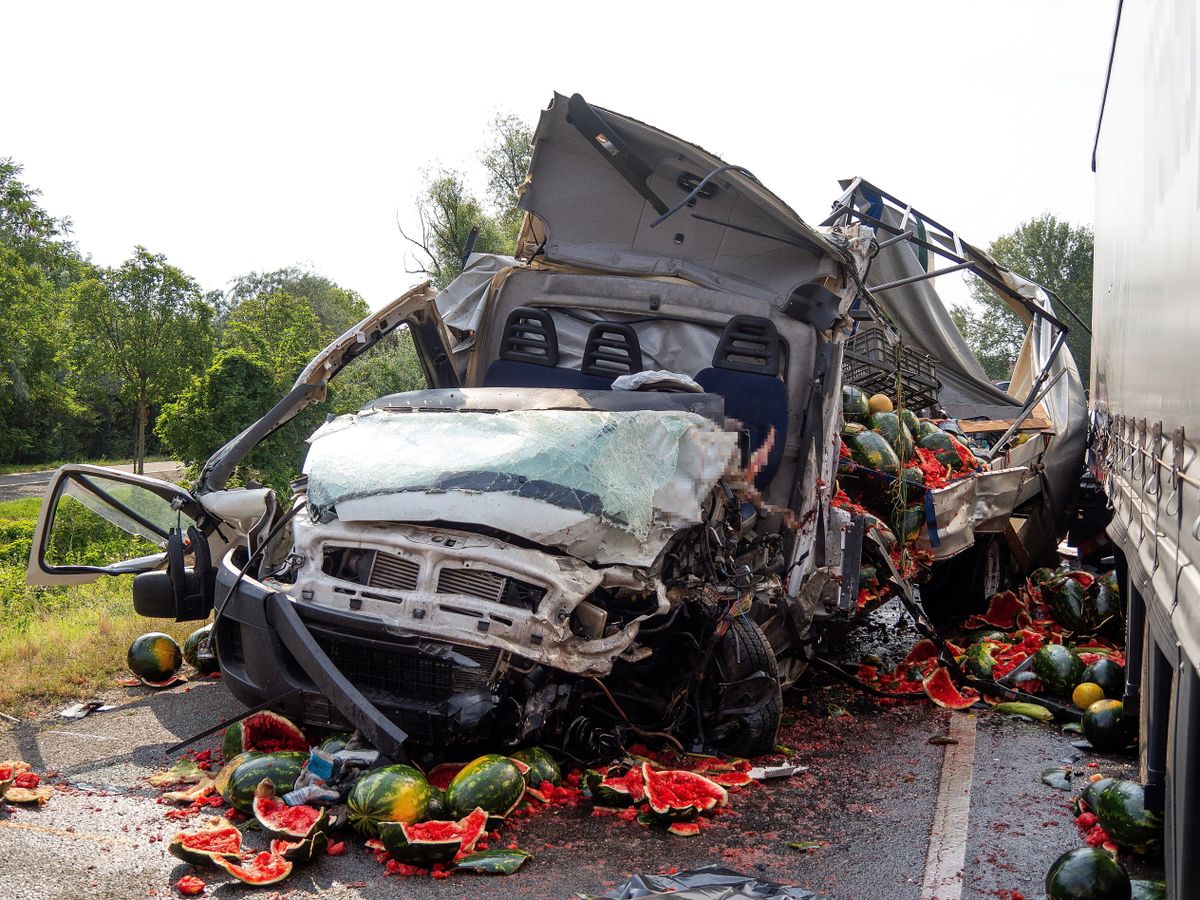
x: 377, y: 728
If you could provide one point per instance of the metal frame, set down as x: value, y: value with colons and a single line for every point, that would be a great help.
x: 946, y: 243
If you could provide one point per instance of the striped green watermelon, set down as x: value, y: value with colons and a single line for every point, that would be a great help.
x: 391, y: 794
x: 191, y: 652
x: 282, y: 768
x: 542, y: 766
x: 911, y: 523
x: 1069, y: 601
x: 155, y: 659
x: 1105, y: 725
x: 1087, y: 873
x: 1123, y: 814
x: 873, y: 451
x: 856, y: 405
x: 492, y: 782
x: 615, y: 786
x: 911, y: 422
x: 1058, y: 669
x: 894, y: 431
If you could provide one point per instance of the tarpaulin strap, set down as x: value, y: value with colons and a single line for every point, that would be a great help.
x: 931, y: 518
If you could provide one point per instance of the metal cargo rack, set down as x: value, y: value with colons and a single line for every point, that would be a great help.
x: 872, y: 363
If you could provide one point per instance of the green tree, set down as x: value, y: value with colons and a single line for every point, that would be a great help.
x: 447, y: 213
x: 278, y: 329
x: 230, y: 394
x: 144, y: 324
x: 336, y: 307
x: 1051, y: 252
x: 506, y: 160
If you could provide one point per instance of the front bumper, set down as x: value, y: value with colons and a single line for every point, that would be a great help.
x: 331, y: 669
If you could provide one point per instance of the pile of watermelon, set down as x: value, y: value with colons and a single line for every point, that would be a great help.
x: 888, y: 461
x: 1025, y: 630
x: 1112, y: 818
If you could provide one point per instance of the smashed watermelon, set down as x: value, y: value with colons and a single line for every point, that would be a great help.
x: 942, y: 691
x: 675, y: 795
x: 429, y: 843
x: 616, y: 786
x: 217, y: 838
x: 262, y: 732
x: 278, y: 820
x: 1002, y: 612
x: 301, y: 851
x: 265, y: 868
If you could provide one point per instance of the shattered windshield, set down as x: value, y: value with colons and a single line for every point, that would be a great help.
x: 610, y: 465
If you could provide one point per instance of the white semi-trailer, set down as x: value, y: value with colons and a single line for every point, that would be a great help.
x: 1145, y: 375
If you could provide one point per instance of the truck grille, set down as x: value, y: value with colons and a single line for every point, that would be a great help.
x: 381, y: 669
x: 394, y: 573
x: 473, y: 583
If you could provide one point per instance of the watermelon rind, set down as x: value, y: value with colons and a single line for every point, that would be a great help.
x: 1091, y: 793
x: 216, y: 827
x: 941, y: 690
x: 979, y: 661
x: 1087, y: 873
x: 615, y: 786
x: 492, y: 782
x: 282, y: 768
x: 267, y: 805
x: 1141, y: 889
x: 265, y: 731
x: 494, y: 862
x: 414, y: 844
x: 301, y: 851
x: 1059, y: 669
x: 1068, y: 600
x: 396, y: 793
x: 1122, y: 812
x: 542, y: 767
x: 265, y: 869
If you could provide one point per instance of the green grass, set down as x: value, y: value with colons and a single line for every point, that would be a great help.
x: 63, y: 643
x: 16, y: 468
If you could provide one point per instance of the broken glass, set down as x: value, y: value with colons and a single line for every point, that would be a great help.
x: 614, y: 466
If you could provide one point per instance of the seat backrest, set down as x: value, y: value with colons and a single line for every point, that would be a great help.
x: 745, y: 371
x: 529, y: 356
x: 612, y: 350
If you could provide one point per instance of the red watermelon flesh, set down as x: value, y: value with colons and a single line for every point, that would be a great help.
x: 467, y: 830
x: 266, y: 868
x: 684, y: 829
x: 1002, y: 612
x: 280, y: 820
x: 944, y: 693
x: 428, y: 843
x: 675, y: 791
x: 921, y: 651
x: 268, y: 732
x: 731, y: 779
x: 440, y: 776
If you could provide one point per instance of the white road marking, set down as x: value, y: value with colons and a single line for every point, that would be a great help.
x: 948, y: 837
x: 93, y: 737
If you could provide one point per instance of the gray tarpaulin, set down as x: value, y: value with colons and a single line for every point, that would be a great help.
x: 705, y: 883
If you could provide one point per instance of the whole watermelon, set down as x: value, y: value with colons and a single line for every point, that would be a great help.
x: 856, y: 405
x: 491, y: 782
x: 1104, y: 610
x: 1122, y: 812
x: 155, y: 658
x: 1087, y: 873
x: 1059, y: 669
x: 391, y: 794
x: 1109, y: 675
x: 191, y: 652
x: 1105, y: 726
x: 282, y: 768
x: 873, y: 451
x: 894, y: 431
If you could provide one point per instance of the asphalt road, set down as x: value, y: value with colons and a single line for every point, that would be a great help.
x: 877, y: 797
x: 34, y: 484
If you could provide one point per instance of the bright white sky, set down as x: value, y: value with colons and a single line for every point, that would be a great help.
x: 250, y: 136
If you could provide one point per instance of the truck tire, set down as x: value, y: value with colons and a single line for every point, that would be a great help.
x: 741, y: 699
x: 963, y: 584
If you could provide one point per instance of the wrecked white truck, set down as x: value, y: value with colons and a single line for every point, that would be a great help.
x: 611, y: 513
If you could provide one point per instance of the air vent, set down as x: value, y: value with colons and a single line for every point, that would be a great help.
x: 394, y: 573
x: 472, y: 583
